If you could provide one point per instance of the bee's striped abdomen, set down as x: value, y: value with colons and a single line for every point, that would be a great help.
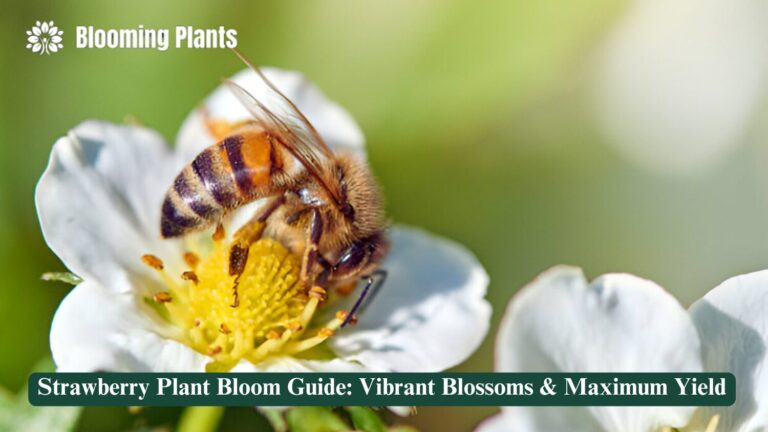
x: 224, y: 176
x: 252, y: 159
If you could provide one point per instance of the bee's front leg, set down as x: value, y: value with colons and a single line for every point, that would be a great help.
x: 314, y: 232
x: 244, y: 238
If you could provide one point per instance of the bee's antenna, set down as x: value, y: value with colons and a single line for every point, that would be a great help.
x: 372, y: 285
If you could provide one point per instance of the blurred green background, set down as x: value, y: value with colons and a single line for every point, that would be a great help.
x: 481, y: 124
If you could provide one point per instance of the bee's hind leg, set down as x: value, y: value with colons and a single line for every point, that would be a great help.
x: 371, y: 289
x: 244, y: 238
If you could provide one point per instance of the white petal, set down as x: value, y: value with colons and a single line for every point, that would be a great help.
x: 36, y: 30
x: 32, y: 39
x: 53, y: 47
x: 732, y: 320
x: 545, y: 419
x: 334, y: 124
x: 96, y: 329
x: 44, y: 27
x: 497, y: 423
x: 99, y: 201
x: 430, y: 314
x: 36, y: 47
x: 56, y: 39
x: 620, y: 323
x: 655, y: 110
x: 291, y: 364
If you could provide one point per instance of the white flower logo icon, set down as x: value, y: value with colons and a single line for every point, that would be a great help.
x: 44, y: 38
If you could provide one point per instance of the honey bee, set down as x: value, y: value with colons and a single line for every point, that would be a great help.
x: 323, y: 205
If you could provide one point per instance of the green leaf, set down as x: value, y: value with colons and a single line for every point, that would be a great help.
x: 66, y: 277
x: 366, y: 419
x: 275, y: 418
x: 314, y: 419
x: 16, y: 414
x: 200, y: 419
x: 402, y: 428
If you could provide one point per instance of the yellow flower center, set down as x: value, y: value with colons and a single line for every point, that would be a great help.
x: 273, y: 316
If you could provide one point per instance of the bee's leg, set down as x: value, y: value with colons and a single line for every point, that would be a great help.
x: 370, y: 286
x: 314, y: 232
x: 244, y: 238
x: 252, y: 230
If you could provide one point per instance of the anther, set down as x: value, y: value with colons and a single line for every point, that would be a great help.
x: 191, y: 259
x: 317, y: 292
x: 218, y: 235
x: 214, y: 350
x: 326, y: 332
x: 295, y: 326
x: 342, y: 316
x: 162, y: 297
x: 152, y: 261
x: 273, y: 335
x: 197, y: 322
x: 224, y: 329
x: 190, y: 276
x: 345, y: 290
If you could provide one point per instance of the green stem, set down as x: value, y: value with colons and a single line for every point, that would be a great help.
x: 200, y: 419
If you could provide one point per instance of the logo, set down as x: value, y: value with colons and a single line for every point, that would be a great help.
x: 44, y: 38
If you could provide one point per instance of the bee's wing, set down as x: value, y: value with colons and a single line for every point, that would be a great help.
x: 296, y: 132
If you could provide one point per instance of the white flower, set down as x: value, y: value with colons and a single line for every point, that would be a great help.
x: 44, y: 38
x: 679, y: 84
x: 99, y: 208
x: 621, y: 323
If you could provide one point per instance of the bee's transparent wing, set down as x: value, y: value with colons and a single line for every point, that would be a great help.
x: 299, y: 141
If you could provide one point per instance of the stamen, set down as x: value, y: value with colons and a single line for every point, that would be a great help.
x: 190, y: 276
x: 274, y: 313
x: 345, y: 290
x: 323, y: 334
x: 342, y: 316
x: 162, y: 297
x: 152, y: 261
x: 219, y: 234
x: 191, y: 259
x: 318, y: 293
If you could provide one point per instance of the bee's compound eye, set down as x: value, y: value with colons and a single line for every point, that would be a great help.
x: 350, y: 260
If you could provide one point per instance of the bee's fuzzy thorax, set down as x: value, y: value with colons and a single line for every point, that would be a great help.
x: 363, y: 195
